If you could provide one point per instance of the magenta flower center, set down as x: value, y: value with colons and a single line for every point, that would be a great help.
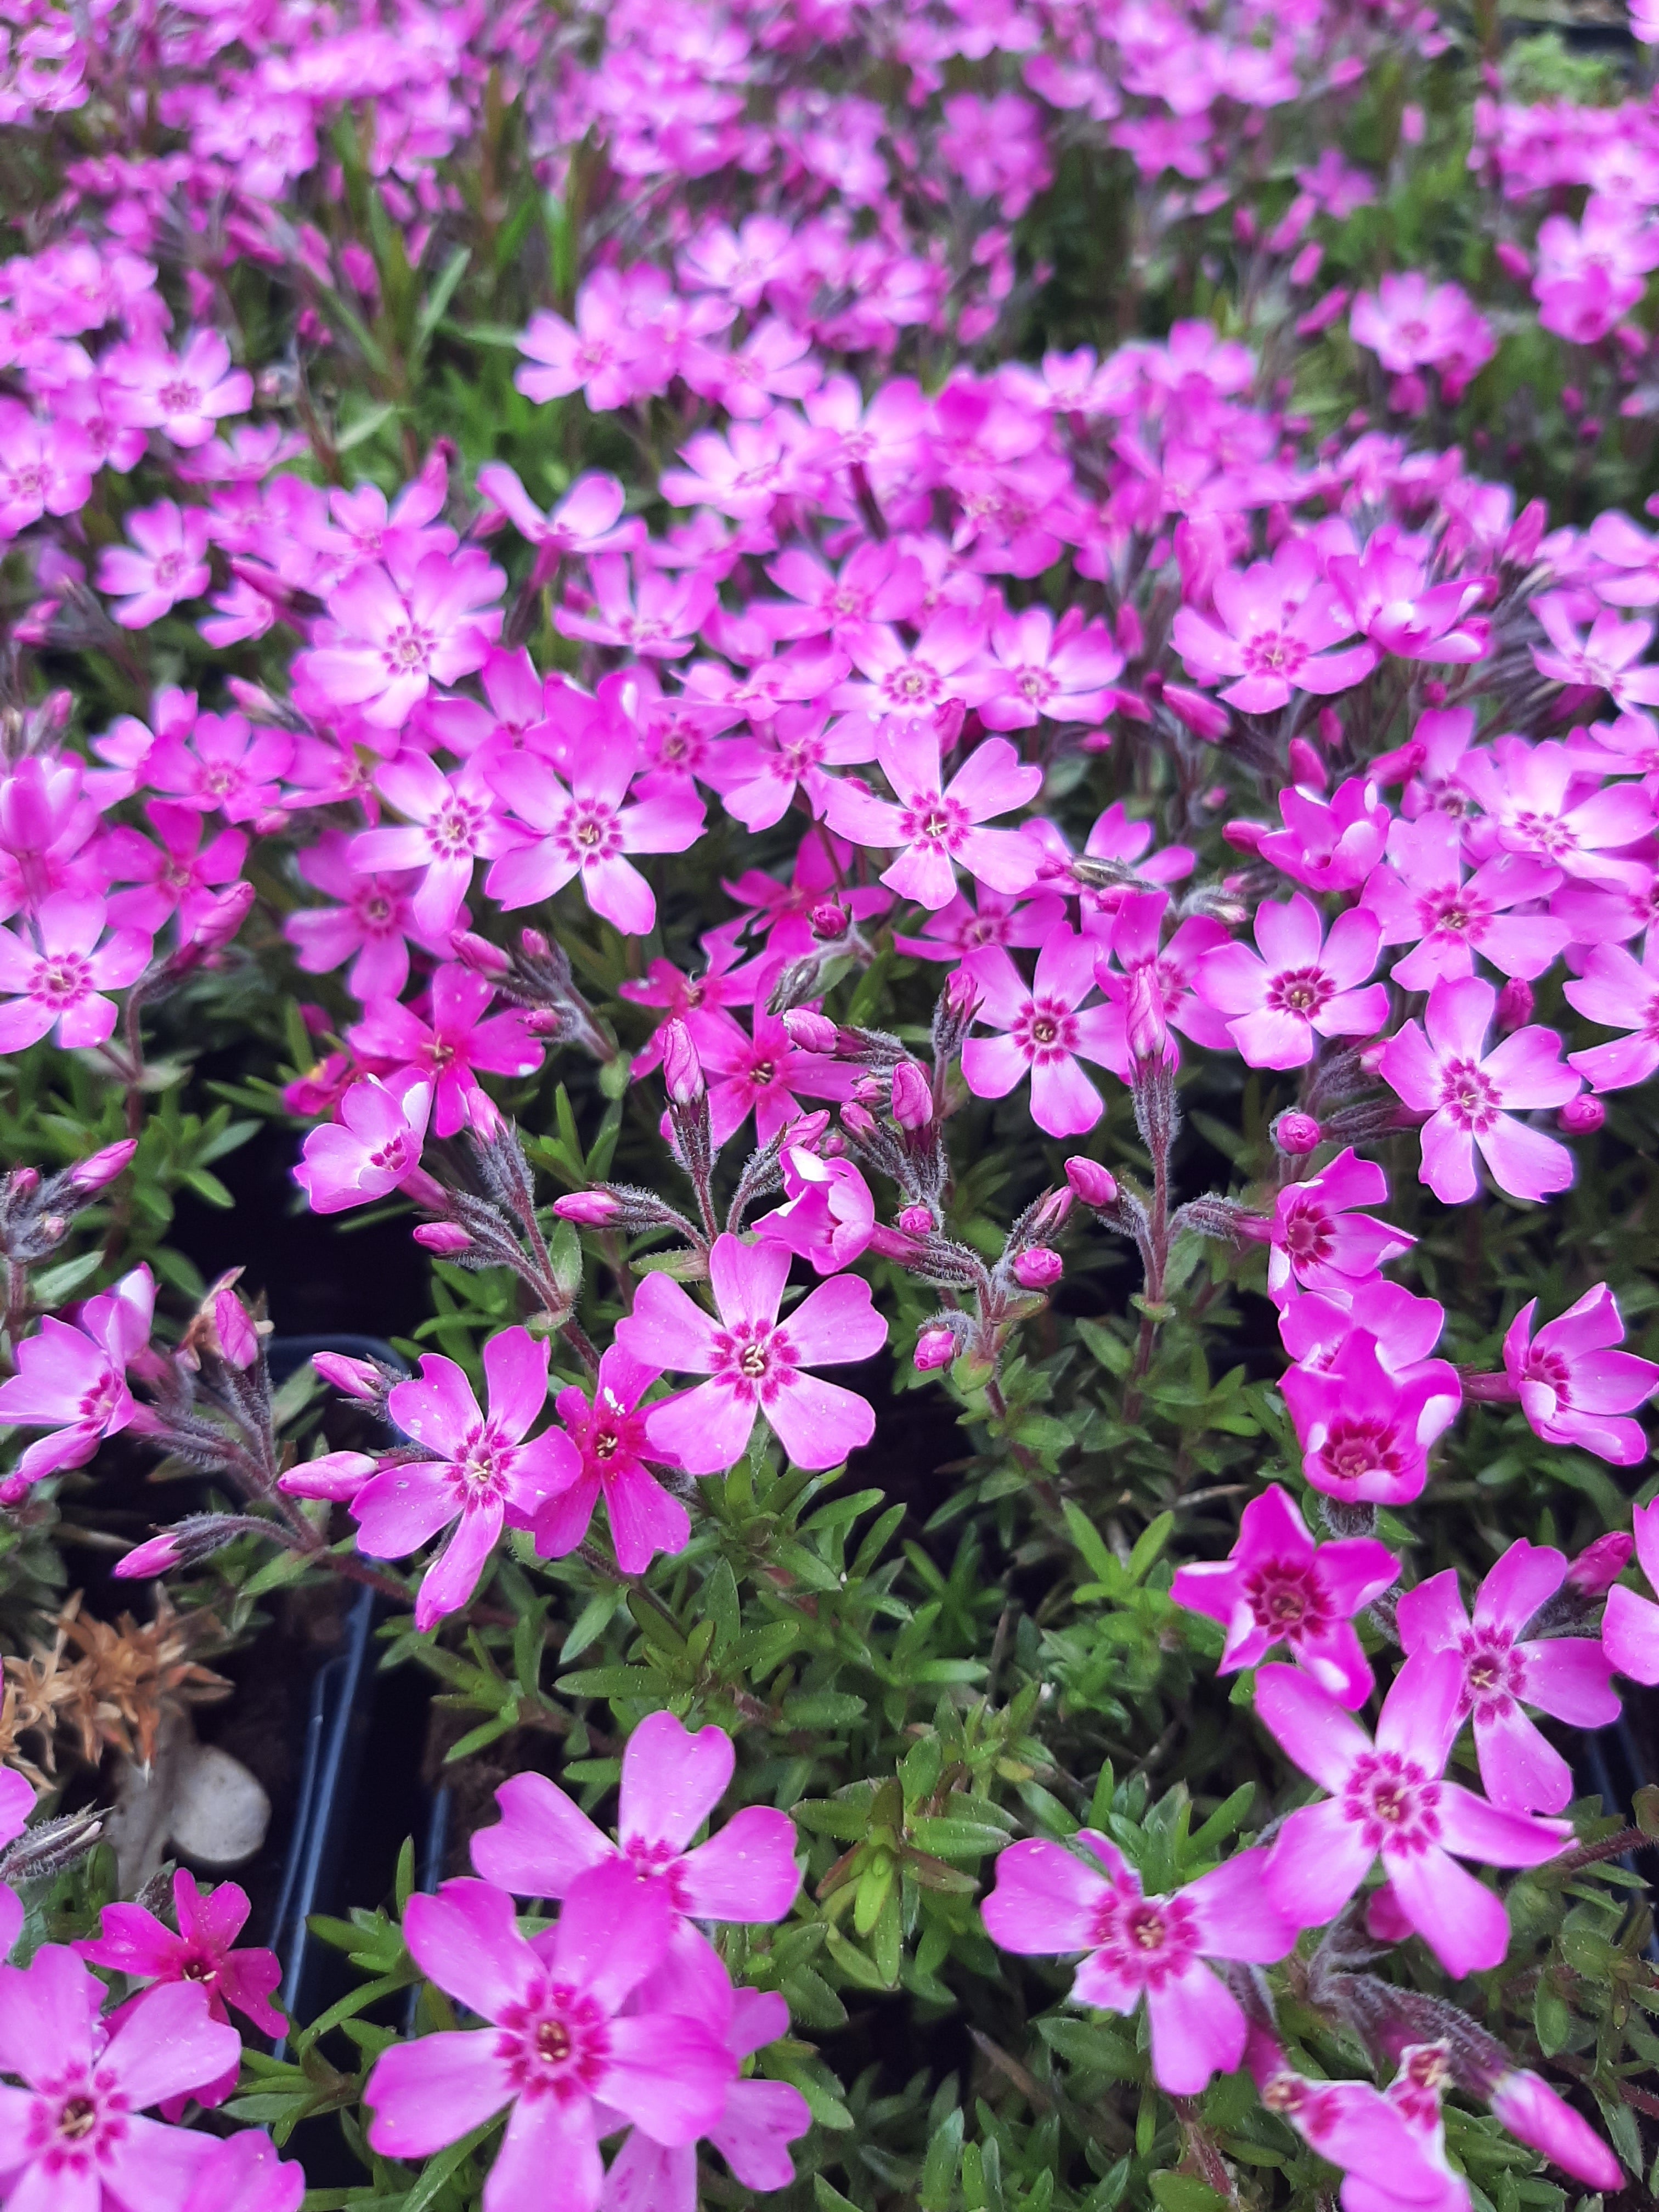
x: 1494, y: 1672
x: 913, y: 685
x: 555, y: 2045
x: 587, y: 833
x: 1148, y: 1940
x: 62, y: 981
x: 1273, y: 653
x: 754, y: 1359
x: 179, y: 399
x: 1046, y: 1030
x: 394, y: 1157
x: 1309, y: 1232
x: 1549, y: 832
x: 1299, y: 991
x: 483, y: 1463
x: 375, y: 913
x: 1467, y: 1095
x: 1284, y: 1600
x: 1454, y: 913
x: 1035, y: 684
x: 937, y: 824
x: 1395, y: 1803
x: 1551, y: 1370
x: 77, y: 2125
x: 1357, y: 1447
x: 452, y: 831
x: 407, y: 647
x: 169, y: 567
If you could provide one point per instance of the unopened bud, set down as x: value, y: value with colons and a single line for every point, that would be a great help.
x: 358, y: 1378
x: 47, y: 1850
x: 830, y: 922
x: 535, y: 945
x: 1581, y: 1117
x: 98, y: 1169
x: 916, y: 1221
x: 588, y: 1209
x: 213, y: 928
x: 1094, y: 1184
x: 1244, y: 836
x: 858, y: 1120
x: 1306, y: 767
x: 196, y: 1538
x: 912, y: 1097
x: 1038, y: 1267
x: 1147, y: 1030
x: 682, y: 1070
x: 1515, y: 1006
x: 1205, y: 717
x: 811, y: 1032
x: 336, y: 1475
x: 447, y: 1239
x: 962, y: 994
x: 239, y: 1340
x: 23, y: 1183
x: 478, y: 954
x: 1050, y: 1213
x: 1296, y: 1135
x: 1599, y: 1565
x: 935, y: 1347
x: 1534, y: 2115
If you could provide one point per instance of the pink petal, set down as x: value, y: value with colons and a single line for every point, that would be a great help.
x: 1630, y: 1634
x: 168, y: 2044
x: 1475, y: 1830
x: 1317, y: 1860
x: 704, y: 1431
x: 672, y: 1781
x: 747, y: 1872
x: 1308, y: 1726
x: 1567, y: 1677
x: 818, y: 1423
x: 1519, y: 1771
x: 1198, y: 2030
x: 644, y: 1519
x: 542, y: 1841
x: 428, y: 2094
x: 1064, y: 1102
x: 835, y: 1324
x: 1236, y: 1917
x: 515, y: 1368
x: 666, y: 1332
x: 669, y: 2076
x: 1461, y: 1921
x: 1526, y: 1576
x: 466, y: 1940
x: 548, y: 2159
x: 1046, y: 1902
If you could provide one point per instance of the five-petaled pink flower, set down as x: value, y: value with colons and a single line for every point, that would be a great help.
x: 1566, y: 1676
x: 1279, y: 621
x: 672, y: 1781
x: 1620, y: 993
x: 170, y: 564
x: 1364, y: 1426
x: 586, y: 832
x: 1387, y: 1801
x: 1573, y: 1386
x: 1447, y: 1074
x: 374, y: 1147
x: 394, y: 631
x: 482, y: 1475
x: 608, y: 1430
x: 558, y: 2048
x: 755, y: 1363
x: 451, y: 1046
x: 60, y: 979
x: 935, y: 829
x: 1318, y: 1239
x: 74, y: 1381
x: 1421, y: 898
x: 1045, y: 1029
x: 1278, y: 1586
x: 449, y: 823
x: 1301, y: 983
x: 1049, y: 1900
x: 184, y: 395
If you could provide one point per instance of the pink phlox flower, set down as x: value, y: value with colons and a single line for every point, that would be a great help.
x: 1046, y: 1028
x: 1113, y: 837
x: 724, y: 979
x: 1534, y: 2115
x: 482, y: 1475
x: 1277, y: 623
x: 175, y: 871
x: 1388, y: 1802
x: 739, y: 262
x: 585, y: 832
x: 1573, y: 1386
x: 17, y: 1803
x: 653, y: 614
x: 169, y: 565
x: 1329, y: 845
x: 991, y: 918
x: 1533, y: 797
x: 784, y: 911
x: 609, y: 1434
x: 1050, y: 1899
x: 761, y: 2118
x: 1429, y: 764
x: 1164, y: 976
x: 182, y: 394
x: 936, y: 828
x: 672, y: 1781
x: 133, y: 1941
x: 1409, y: 324
x: 1592, y: 273
x: 371, y: 926
x: 522, y: 705
x: 1422, y: 897
x: 59, y: 980
x: 558, y: 2047
x: 912, y: 683
x: 768, y: 684
x: 1278, y: 1586
x: 1620, y: 993
x: 75, y: 2132
x: 744, y: 473
x: 223, y: 765
x: 759, y: 780
x: 1608, y: 914
x: 772, y: 362
x: 829, y: 1213
x: 876, y: 583
x: 617, y: 350
x: 1039, y: 670
x: 586, y: 521
x: 47, y: 826
x: 1626, y: 557
x: 1356, y: 2127
x: 1629, y: 1626
x: 1301, y: 983
x: 449, y: 823
x: 1441, y: 1067
x: 1364, y: 1426
x: 245, y: 2174
x: 1605, y: 657
x: 1314, y: 1326
x: 996, y: 148
x: 374, y: 1147
x: 450, y: 1048
x: 1566, y: 1676
x: 395, y: 627
x: 1391, y: 600
x: 46, y: 467
x: 757, y: 1363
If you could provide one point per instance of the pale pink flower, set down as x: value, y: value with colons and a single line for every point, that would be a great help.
x: 1422, y: 898
x: 1387, y: 1801
x: 451, y: 1046
x: 1441, y: 1068
x: 755, y: 1363
x: 1278, y: 1586
x: 1048, y: 1899
x: 586, y: 520
x: 449, y: 823
x: 1040, y: 672
x: 391, y: 636
x: 1409, y: 324
x: 374, y: 1147
x: 1534, y: 795
x: 1573, y: 1386
x: 170, y: 564
x: 245, y: 2174
x: 1045, y: 1028
x: 913, y: 683
x: 608, y: 1432
x: 45, y: 468
x: 183, y: 395
x: 936, y: 828
x: 58, y: 982
x: 73, y: 1379
x: 1620, y: 993
x: 655, y: 615
x: 585, y: 832
x: 1387, y: 2166
x: 1605, y: 659
x: 1278, y: 622
x: 1320, y: 1241
x: 1300, y: 984
x: 1566, y: 1676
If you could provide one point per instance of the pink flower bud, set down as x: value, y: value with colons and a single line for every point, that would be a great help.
x: 1130, y: 637
x: 588, y: 1209
x: 1581, y: 1117
x: 1385, y: 1920
x: 1534, y: 2114
x: 98, y: 1169
x: 478, y: 954
x: 23, y: 1183
x: 445, y: 1238
x: 1297, y: 1135
x: 811, y: 1032
x: 916, y: 1221
x: 1039, y: 1267
x: 1599, y: 1565
x: 12, y: 1490
x: 1050, y: 1214
x: 335, y: 1475
x: 1244, y: 836
x: 962, y: 995
x: 155, y: 1557
x: 1306, y: 767
x: 935, y: 1347
x: 830, y: 922
x: 1094, y: 1184
x: 682, y: 1070
x: 858, y: 1120
x: 357, y: 1378
x: 534, y: 943
x: 219, y: 923
x: 1515, y: 1005
x: 1146, y: 1030
x: 912, y: 1097
x: 239, y: 1340
x: 1517, y: 262
x: 1205, y: 717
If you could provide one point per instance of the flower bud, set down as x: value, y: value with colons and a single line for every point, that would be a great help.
x: 1146, y: 1029
x: 810, y: 1032
x: 1094, y: 1184
x: 1599, y: 1565
x: 155, y: 1557
x: 478, y: 954
x: 51, y: 1847
x: 357, y: 1378
x: 858, y: 1120
x: 912, y: 1097
x: 1050, y: 1213
x: 1534, y: 2115
x: 1581, y: 1117
x: 935, y: 1347
x: 447, y: 1239
x: 1038, y: 1267
x: 1296, y: 1135
x: 830, y: 922
x: 239, y: 1340
x: 1515, y: 1006
x: 197, y: 1537
x: 1244, y: 836
x: 682, y: 1070
x: 1515, y: 261
x: 1306, y: 767
x: 916, y: 1221
x: 23, y: 1183
x: 98, y: 1169
x: 1195, y: 711
x: 588, y: 1209
x: 962, y: 995
x: 336, y: 1475
x: 534, y: 943
x: 215, y: 927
